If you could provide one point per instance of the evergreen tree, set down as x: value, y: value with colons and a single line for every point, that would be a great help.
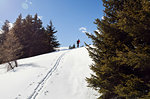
x: 28, y: 36
x: 31, y: 35
x: 72, y: 47
x: 6, y: 26
x: 35, y: 36
x: 19, y: 33
x: 69, y: 46
x: 40, y: 43
x: 122, y: 50
x: 51, y: 36
x: 11, y: 49
x: 44, y: 42
x: 134, y: 20
x: 5, y: 30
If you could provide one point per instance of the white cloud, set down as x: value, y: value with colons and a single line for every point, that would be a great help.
x: 40, y: 17
x: 83, y: 29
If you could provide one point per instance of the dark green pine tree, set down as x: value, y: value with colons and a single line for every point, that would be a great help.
x: 5, y: 30
x: 32, y: 33
x: 27, y: 36
x: 18, y: 27
x: 51, y: 36
x: 121, y: 51
x: 32, y: 36
x: 134, y: 19
x: 36, y: 33
x: 20, y: 34
x: 40, y: 41
x: 44, y: 42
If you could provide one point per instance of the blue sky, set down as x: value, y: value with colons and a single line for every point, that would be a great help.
x: 71, y: 18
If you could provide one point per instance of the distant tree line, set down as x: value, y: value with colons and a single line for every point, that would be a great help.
x: 121, y: 51
x: 26, y: 38
x: 72, y: 47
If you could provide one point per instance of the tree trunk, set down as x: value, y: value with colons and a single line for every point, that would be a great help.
x: 10, y: 65
x: 16, y: 64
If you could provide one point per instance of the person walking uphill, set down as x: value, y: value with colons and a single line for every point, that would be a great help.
x: 78, y: 41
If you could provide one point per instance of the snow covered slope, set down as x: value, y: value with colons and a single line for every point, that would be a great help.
x: 57, y: 75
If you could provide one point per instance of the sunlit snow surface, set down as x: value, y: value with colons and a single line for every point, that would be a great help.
x: 57, y: 75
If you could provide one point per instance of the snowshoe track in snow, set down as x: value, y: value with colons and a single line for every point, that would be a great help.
x: 46, y: 77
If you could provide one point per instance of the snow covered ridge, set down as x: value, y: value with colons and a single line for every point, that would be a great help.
x: 57, y: 75
x: 61, y: 48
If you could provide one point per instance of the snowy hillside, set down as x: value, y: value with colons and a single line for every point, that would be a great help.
x: 57, y: 75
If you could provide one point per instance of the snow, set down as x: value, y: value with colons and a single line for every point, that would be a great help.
x: 1, y: 31
x: 57, y: 75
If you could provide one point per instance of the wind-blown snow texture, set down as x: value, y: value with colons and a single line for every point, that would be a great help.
x: 57, y: 75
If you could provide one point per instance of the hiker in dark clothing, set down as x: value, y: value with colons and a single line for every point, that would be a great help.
x: 78, y: 41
